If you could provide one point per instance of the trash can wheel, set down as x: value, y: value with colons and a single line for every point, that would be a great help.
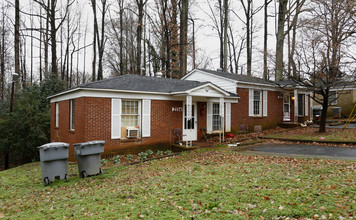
x: 46, y: 181
x: 100, y: 171
x: 83, y: 174
x: 66, y: 177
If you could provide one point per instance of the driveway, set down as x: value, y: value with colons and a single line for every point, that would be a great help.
x: 301, y: 150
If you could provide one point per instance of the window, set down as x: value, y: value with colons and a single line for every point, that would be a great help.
x: 57, y: 114
x: 301, y: 102
x: 71, y: 115
x: 333, y: 98
x: 189, y: 124
x: 130, y: 114
x: 257, y: 102
x: 216, y: 117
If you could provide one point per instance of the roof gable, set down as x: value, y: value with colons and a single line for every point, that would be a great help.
x: 237, y: 78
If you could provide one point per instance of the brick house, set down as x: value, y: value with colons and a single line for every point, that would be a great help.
x: 261, y: 102
x: 130, y: 112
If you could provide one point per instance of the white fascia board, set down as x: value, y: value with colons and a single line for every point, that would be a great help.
x: 248, y: 85
x: 229, y: 100
x: 190, y: 73
x: 210, y: 74
x: 202, y: 86
x: 107, y: 93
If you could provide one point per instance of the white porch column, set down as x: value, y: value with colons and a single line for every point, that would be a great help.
x: 189, y: 107
x: 295, y: 105
x: 221, y: 113
x: 311, y: 105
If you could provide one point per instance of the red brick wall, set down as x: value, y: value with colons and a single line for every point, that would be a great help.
x: 239, y: 111
x: 93, y: 122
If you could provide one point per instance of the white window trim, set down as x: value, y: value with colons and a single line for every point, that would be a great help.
x: 252, y: 104
x: 57, y: 114
x: 72, y: 115
x: 146, y: 118
x: 227, y: 117
x: 115, y: 118
x: 217, y: 114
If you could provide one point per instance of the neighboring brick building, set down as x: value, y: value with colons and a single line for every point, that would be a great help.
x: 132, y: 112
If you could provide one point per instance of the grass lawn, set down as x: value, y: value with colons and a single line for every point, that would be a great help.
x: 332, y: 135
x: 204, y: 184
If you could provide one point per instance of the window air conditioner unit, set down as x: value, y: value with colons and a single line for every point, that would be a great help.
x: 132, y: 132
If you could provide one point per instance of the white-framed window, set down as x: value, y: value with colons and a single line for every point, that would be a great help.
x: 130, y: 116
x: 130, y: 113
x: 216, y: 117
x: 57, y: 114
x: 301, y: 103
x: 257, y: 106
x: 258, y: 103
x: 332, y: 97
x: 71, y: 114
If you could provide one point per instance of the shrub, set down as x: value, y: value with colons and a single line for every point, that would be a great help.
x: 129, y: 157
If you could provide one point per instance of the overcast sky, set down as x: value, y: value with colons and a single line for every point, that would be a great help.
x: 207, y: 42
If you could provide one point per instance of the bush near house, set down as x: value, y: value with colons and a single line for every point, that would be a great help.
x: 28, y: 126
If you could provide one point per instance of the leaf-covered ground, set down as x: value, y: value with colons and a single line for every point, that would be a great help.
x: 310, y: 133
x: 204, y: 184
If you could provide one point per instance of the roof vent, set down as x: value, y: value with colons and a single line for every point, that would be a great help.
x: 219, y: 69
x: 159, y: 74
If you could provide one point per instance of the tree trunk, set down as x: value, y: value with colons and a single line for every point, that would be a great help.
x: 140, y: 7
x: 121, y: 3
x: 248, y: 38
x: 265, y: 38
x: 53, y: 38
x: 46, y: 43
x: 93, y: 2
x: 221, y: 34
x: 226, y: 17
x: 17, y: 37
x: 280, y: 39
x: 184, y: 39
x: 174, y: 46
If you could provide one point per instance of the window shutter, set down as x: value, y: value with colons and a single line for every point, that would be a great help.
x: 250, y: 101
x: 146, y: 118
x: 209, y: 119
x: 115, y: 118
x: 57, y: 114
x: 265, y: 100
x: 296, y: 106
x: 306, y: 99
x: 228, y: 117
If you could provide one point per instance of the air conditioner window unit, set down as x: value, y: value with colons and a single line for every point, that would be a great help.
x: 132, y: 132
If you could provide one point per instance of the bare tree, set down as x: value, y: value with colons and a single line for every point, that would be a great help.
x: 183, y: 37
x: 329, y: 30
x: 249, y: 12
x: 284, y: 14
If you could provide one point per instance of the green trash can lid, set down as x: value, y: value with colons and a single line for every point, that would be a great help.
x: 54, y: 144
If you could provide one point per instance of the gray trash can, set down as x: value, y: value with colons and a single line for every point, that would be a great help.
x: 88, y: 157
x: 54, y: 161
x: 336, y: 112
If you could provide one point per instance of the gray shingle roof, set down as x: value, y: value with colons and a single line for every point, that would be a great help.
x: 240, y: 78
x: 144, y: 83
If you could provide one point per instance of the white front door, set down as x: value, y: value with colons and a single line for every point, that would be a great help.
x: 286, y: 107
x: 190, y: 126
